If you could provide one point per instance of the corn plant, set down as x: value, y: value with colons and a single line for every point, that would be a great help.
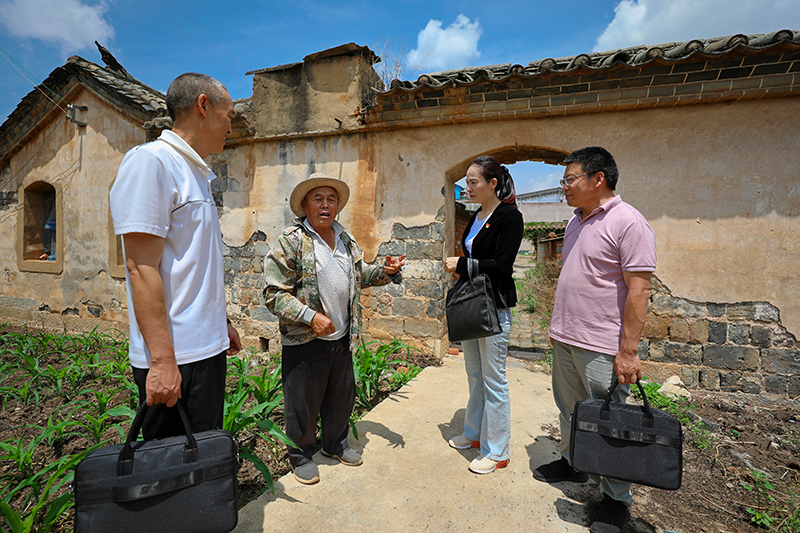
x: 371, y: 368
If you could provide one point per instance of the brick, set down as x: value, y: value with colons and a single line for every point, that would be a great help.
x: 658, y: 92
x: 761, y: 59
x: 764, y: 70
x: 546, y: 91
x: 679, y: 329
x: 522, y: 93
x: 493, y: 97
x: 536, y: 82
x: 577, y: 88
x: 669, y: 79
x: 698, y: 331
x: 793, y: 386
x: 742, y: 311
x: 730, y: 381
x: 427, y: 103
x: 588, y: 98
x: 688, y: 67
x: 739, y: 333
x: 746, y: 84
x: 656, y: 328
x: 610, y: 96
x: 433, y: 94
x: 775, y: 384
x: 751, y: 384
x: 28, y: 304
x: 634, y: 94
x: 781, y: 361
x: 425, y: 288
x: 705, y: 75
x: 716, y: 86
x: 435, y: 309
x: 399, y: 231
x: 643, y: 350
x: 676, y: 352
x: 777, y: 81
x: 423, y: 327
x: 761, y: 336
x: 663, y: 304
x: 690, y: 377
x: 392, y: 327
x: 738, y: 72
x: 408, y: 307
x: 540, y: 102
x: 635, y: 82
x: 724, y: 62
x: 562, y: 101
x: 709, y: 378
x: 604, y: 85
x: 765, y: 312
x: 248, y: 250
x: 731, y: 357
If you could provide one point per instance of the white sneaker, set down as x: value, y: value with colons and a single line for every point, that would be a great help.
x: 484, y: 465
x: 462, y: 442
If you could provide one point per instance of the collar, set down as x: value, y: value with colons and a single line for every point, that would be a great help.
x: 177, y: 142
x: 605, y: 207
x: 338, y: 229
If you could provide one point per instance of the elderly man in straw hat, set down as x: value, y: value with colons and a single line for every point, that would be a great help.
x: 312, y: 282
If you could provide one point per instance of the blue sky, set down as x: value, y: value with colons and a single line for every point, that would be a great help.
x: 155, y: 40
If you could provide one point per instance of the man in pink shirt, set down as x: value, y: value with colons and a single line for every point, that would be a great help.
x: 600, y: 308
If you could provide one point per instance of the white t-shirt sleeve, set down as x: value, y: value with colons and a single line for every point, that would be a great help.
x: 143, y: 195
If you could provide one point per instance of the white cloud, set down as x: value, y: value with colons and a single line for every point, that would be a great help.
x: 71, y: 24
x: 442, y: 49
x: 638, y: 22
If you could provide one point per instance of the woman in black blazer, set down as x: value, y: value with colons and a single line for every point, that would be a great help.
x: 491, y: 241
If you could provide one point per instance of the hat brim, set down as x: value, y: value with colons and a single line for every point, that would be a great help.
x: 312, y: 182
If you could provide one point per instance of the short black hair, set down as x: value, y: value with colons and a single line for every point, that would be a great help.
x: 595, y: 159
x: 184, y: 90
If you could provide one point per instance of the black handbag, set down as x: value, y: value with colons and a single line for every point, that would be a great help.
x: 633, y: 443
x: 177, y: 484
x: 470, y: 308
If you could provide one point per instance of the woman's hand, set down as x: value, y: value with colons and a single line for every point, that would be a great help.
x: 450, y: 264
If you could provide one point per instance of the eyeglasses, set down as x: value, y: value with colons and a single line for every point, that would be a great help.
x: 569, y: 180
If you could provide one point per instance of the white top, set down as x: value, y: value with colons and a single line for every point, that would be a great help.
x: 334, y: 268
x: 163, y: 188
x: 477, y: 225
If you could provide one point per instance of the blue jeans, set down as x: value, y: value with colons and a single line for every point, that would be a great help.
x: 488, y: 417
x: 581, y: 374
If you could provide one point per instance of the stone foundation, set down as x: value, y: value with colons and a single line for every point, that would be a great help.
x: 736, y: 347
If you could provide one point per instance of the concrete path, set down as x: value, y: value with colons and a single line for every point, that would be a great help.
x: 411, y: 480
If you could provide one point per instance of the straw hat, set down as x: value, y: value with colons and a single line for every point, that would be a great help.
x: 312, y: 182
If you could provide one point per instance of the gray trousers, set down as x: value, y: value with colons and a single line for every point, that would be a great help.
x: 580, y: 374
x: 317, y: 380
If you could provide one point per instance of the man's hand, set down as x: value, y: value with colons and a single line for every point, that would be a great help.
x: 322, y: 325
x: 163, y: 383
x: 628, y: 368
x: 392, y: 266
x: 236, y: 342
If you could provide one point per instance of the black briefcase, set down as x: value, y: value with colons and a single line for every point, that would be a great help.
x: 633, y: 443
x: 177, y: 484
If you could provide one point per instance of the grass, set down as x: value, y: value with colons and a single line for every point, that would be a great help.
x: 87, y: 385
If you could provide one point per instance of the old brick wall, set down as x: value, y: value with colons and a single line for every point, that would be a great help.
x: 718, y: 346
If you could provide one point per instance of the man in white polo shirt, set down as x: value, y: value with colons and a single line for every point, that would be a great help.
x: 162, y: 206
x: 609, y: 255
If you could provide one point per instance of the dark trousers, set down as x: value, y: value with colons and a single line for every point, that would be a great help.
x: 202, y: 396
x: 317, y: 380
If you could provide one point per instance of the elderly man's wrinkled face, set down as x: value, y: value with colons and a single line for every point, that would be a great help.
x: 321, y: 206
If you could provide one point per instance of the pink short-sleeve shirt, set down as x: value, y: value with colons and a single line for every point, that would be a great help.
x: 591, y: 292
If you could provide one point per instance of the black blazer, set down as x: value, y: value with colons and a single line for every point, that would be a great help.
x: 495, y: 249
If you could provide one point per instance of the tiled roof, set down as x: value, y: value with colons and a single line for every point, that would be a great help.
x: 635, y: 56
x: 117, y: 87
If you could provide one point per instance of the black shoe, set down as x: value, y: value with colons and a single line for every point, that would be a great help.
x: 559, y: 470
x: 611, y: 516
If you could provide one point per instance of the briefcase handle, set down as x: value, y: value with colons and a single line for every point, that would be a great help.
x: 605, y: 411
x: 125, y: 460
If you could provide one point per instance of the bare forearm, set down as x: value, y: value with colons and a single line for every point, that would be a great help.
x: 633, y: 319
x: 150, y: 309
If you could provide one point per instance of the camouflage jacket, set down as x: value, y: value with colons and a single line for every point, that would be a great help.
x: 290, y: 283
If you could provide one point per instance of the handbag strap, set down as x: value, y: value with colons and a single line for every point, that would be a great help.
x: 647, y: 421
x: 125, y: 460
x: 129, y: 493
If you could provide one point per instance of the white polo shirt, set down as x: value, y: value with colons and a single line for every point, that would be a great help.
x: 163, y: 188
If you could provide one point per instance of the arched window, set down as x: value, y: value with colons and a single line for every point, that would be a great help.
x: 40, y: 229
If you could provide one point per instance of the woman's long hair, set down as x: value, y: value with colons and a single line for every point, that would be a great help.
x: 491, y: 168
